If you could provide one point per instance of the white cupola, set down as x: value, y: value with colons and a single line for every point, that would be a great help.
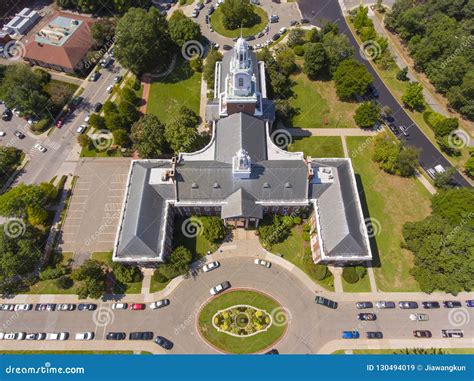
x: 241, y: 164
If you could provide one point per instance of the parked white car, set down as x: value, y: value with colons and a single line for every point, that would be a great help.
x: 84, y: 336
x: 35, y: 336
x: 210, y: 266
x: 57, y: 336
x: 110, y: 88
x: 159, y: 304
x: 81, y: 129
x: 2, y: 134
x: 40, y: 148
x: 419, y: 317
x: 23, y: 307
x: 263, y: 263
x: 86, y: 119
x: 220, y: 287
x: 119, y: 306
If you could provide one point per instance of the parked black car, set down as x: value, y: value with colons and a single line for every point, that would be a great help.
x: 86, y: 307
x: 97, y: 107
x: 408, y: 305
x: 7, y: 115
x: 115, y: 336
x: 325, y: 302
x: 367, y: 317
x: 19, y: 134
x: 375, y: 335
x: 430, y: 305
x: 226, y: 47
x: 452, y: 304
x: 276, y: 36
x: 147, y: 335
x: 272, y: 352
x: 163, y: 342
x: 363, y: 305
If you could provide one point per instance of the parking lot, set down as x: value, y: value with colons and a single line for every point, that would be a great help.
x: 96, y: 202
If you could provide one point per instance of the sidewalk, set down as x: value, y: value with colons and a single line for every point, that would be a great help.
x: 332, y: 132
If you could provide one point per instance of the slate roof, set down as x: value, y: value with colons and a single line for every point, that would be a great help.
x: 241, y: 203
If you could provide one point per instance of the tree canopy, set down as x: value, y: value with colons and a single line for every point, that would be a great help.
x: 238, y: 13
x: 315, y: 60
x: 148, y: 137
x: 393, y: 157
x: 183, y: 29
x: 181, y: 132
x: 367, y: 114
x: 351, y: 78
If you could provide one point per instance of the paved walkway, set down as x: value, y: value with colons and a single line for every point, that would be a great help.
x: 337, y: 273
x: 344, y: 146
x: 373, y: 284
x: 146, y: 282
x: 146, y: 80
x: 332, y: 132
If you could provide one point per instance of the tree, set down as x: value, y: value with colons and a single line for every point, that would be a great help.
x: 315, y: 60
x: 210, y: 66
x: 213, y: 229
x: 238, y: 13
x: 402, y: 74
x: 64, y: 282
x: 183, y: 29
x: 84, y: 141
x: 92, y: 276
x: 195, y: 63
x: 177, y: 264
x: 469, y: 167
x: 121, y: 138
x: 181, y: 132
x: 126, y: 273
x: 445, y: 126
x: 148, y: 137
x: 296, y: 37
x: 97, y: 122
x: 10, y: 158
x: 351, y: 78
x: 367, y: 114
x: 103, y: 31
x: 455, y: 206
x: 338, y: 49
x: 444, y: 179
x: 393, y: 157
x: 286, y: 60
x: 349, y: 274
x: 142, y: 40
x: 413, y: 97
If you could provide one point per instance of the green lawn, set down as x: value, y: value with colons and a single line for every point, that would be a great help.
x: 318, y: 146
x: 86, y: 152
x: 318, y: 105
x: 389, y: 201
x: 293, y: 250
x: 156, y: 286
x: 56, y: 88
x: 362, y: 285
x: 217, y: 24
x: 181, y: 88
x: 49, y: 286
x: 234, y: 344
x: 198, y: 246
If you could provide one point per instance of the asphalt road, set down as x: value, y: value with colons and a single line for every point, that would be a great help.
x: 60, y: 142
x: 319, y: 10
x: 311, y: 326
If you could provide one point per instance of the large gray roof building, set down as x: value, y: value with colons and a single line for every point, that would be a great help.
x: 241, y: 175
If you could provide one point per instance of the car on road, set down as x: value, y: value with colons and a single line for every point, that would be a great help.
x: 470, y: 303
x: 452, y: 304
x: 24, y: 307
x: 282, y: 30
x: 19, y: 134
x: 304, y: 21
x: 263, y: 263
x: 394, y: 128
x: 35, y: 336
x: 66, y: 307
x: 452, y: 333
x: 59, y: 123
x: 408, y: 305
x: 274, y: 19
x: 136, y: 306
x: 374, y: 335
x: 325, y: 302
x: 424, y: 334
x: 404, y: 130
x: 430, y: 305
x: 7, y: 115
x: 86, y: 307
x: 195, y: 14
x: 220, y: 287
x: 7, y: 307
x: 148, y: 335
x: 211, y: 10
x: 32, y: 120
x: 40, y: 148
x: 106, y: 61
x: 77, y: 101
x: 94, y: 77
x: 2, y: 134
x: 117, y: 78
x: 350, y: 334
x: 115, y: 336
x: 97, y: 107
x: 293, y: 22
x: 163, y: 342
x: 226, y: 47
x: 363, y: 305
x: 57, y: 336
x: 367, y: 317
x: 120, y: 306
x: 45, y: 307
x: 84, y: 336
x: 419, y: 317
x: 273, y: 351
x: 435, y: 171
x: 159, y: 304
x: 109, y: 89
x: 385, y: 305
x: 20, y: 335
x: 276, y: 36
x: 261, y: 34
x: 81, y: 129
x: 87, y: 118
x: 210, y: 266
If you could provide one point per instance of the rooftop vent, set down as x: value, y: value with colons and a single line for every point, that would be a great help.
x: 287, y: 185
x: 266, y: 185
x: 216, y: 186
x: 194, y: 186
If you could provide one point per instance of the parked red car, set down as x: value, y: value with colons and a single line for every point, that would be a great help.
x: 137, y: 306
x: 59, y: 123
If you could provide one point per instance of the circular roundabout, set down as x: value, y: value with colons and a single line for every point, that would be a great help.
x: 255, y: 26
x: 242, y: 321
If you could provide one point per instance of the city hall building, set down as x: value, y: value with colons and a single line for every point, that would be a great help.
x: 241, y: 176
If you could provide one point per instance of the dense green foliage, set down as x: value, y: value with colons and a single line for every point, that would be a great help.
x: 183, y: 29
x: 10, y: 158
x: 351, y: 78
x: 210, y: 66
x: 177, y: 263
x: 126, y: 273
x: 395, y: 158
x: 315, y: 60
x: 181, y: 132
x: 238, y: 13
x: 439, y: 38
x: 413, y: 97
x: 101, y: 6
x: 213, y: 229
x: 443, y: 243
x: 92, y: 276
x: 147, y: 137
x: 367, y: 114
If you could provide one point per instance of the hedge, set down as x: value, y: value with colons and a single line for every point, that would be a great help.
x: 350, y: 275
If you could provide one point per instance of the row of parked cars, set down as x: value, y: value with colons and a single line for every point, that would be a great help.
x: 81, y: 306
x: 413, y: 305
x: 446, y: 333
x: 45, y: 336
x: 145, y: 335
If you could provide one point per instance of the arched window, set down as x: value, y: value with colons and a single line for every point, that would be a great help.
x: 241, y: 82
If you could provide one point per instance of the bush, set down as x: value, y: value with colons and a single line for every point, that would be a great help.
x: 52, y: 273
x: 306, y: 236
x: 159, y: 277
x: 41, y: 126
x: 64, y: 282
x: 402, y: 74
x: 320, y: 272
x: 213, y: 229
x: 127, y: 273
x: 182, y: 2
x: 361, y: 271
x: 299, y: 50
x: 349, y: 274
x: 306, y: 227
x: 296, y: 220
x: 196, y: 63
